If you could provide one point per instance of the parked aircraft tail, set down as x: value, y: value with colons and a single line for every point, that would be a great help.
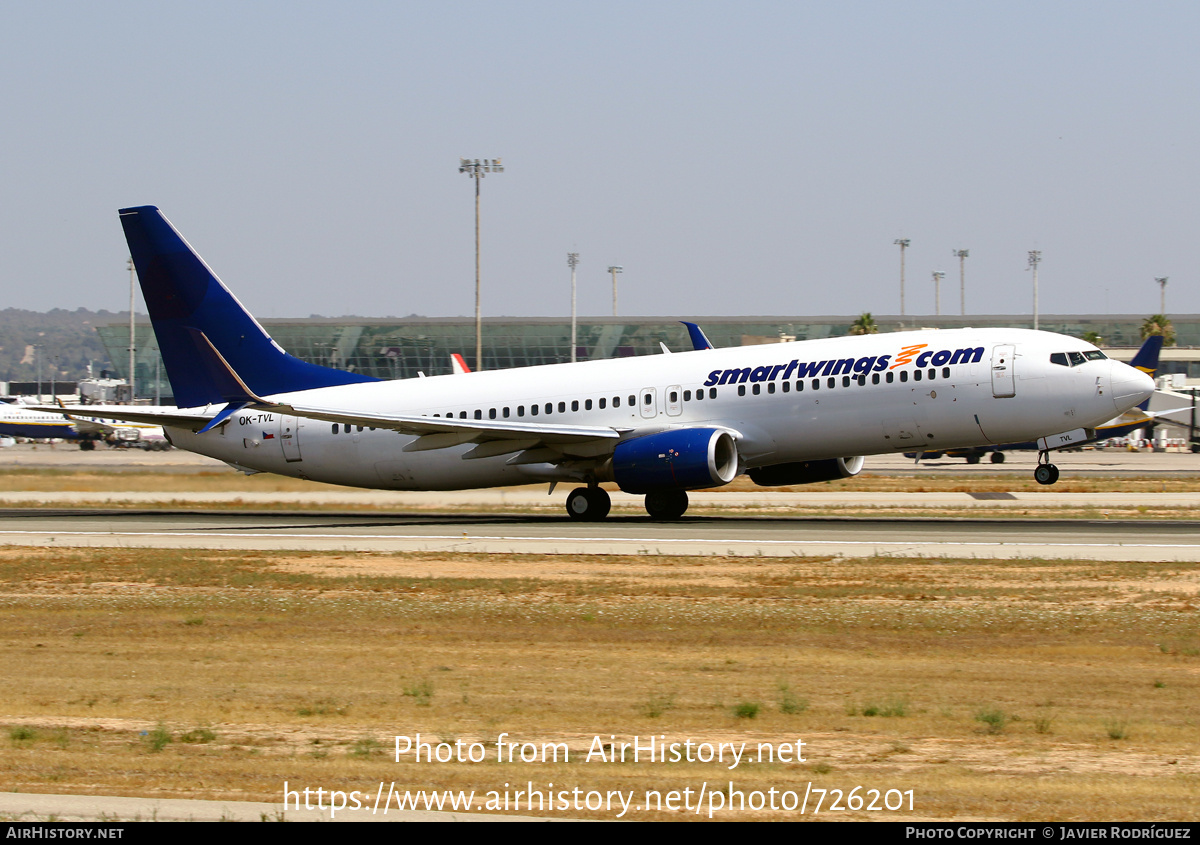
x: 1146, y: 360
x: 193, y: 314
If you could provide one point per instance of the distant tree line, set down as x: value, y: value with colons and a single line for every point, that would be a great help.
x: 65, y: 340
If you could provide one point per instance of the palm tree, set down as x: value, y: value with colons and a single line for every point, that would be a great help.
x: 865, y: 324
x: 1092, y: 338
x: 1159, y: 324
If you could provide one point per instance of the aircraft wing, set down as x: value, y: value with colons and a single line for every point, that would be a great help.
x: 96, y: 415
x: 505, y: 436
x: 495, y: 437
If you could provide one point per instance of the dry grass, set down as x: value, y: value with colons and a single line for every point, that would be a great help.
x: 224, y: 675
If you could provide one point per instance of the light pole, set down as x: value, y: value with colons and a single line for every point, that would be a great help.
x: 961, y: 255
x: 572, y: 262
x: 903, y: 244
x: 478, y: 168
x: 938, y: 275
x: 1035, y: 258
x: 1162, y: 294
x: 616, y: 268
x: 132, y: 343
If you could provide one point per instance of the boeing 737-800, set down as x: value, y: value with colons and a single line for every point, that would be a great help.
x: 658, y: 426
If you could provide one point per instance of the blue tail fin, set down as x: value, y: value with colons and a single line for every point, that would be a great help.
x: 1146, y: 360
x: 186, y: 300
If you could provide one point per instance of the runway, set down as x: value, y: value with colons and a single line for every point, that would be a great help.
x: 522, y: 534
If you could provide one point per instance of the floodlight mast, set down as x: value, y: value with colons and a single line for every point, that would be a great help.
x: 478, y: 168
x: 1035, y: 258
x: 1162, y: 294
x: 903, y: 244
x: 572, y: 262
x: 132, y: 341
x: 961, y: 255
x: 616, y: 268
x: 938, y: 275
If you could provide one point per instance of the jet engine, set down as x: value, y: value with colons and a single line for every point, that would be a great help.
x: 806, y: 472
x: 679, y: 459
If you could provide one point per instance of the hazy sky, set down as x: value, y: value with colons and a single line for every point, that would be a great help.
x: 737, y: 158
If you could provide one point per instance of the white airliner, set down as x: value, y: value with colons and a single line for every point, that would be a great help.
x: 788, y: 413
x: 35, y: 423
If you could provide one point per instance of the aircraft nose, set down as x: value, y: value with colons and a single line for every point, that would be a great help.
x: 1130, y: 386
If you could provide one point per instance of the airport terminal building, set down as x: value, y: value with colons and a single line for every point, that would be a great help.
x: 408, y: 347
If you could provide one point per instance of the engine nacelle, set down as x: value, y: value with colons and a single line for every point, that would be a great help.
x: 679, y: 459
x: 806, y: 472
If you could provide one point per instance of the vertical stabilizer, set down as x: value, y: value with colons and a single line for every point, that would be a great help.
x: 186, y: 300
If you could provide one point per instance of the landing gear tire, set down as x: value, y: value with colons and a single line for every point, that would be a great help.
x: 973, y: 459
x: 666, y: 504
x: 1045, y: 474
x: 588, y: 504
x: 87, y: 445
x: 997, y: 457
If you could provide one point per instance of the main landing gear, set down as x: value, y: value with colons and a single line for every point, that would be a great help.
x: 588, y: 504
x: 591, y: 504
x: 666, y: 504
x: 1046, y: 472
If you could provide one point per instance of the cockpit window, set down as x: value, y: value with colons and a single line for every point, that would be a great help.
x: 1076, y: 358
x: 1059, y: 358
x: 1095, y: 355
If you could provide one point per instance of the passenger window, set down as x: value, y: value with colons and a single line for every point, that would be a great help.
x: 862, y: 381
x: 646, y: 400
x: 574, y: 404
x: 712, y: 393
x: 335, y: 428
x: 549, y: 407
x: 562, y: 407
x: 700, y: 395
x: 799, y: 387
x: 505, y: 412
x: 874, y: 378
x: 687, y: 396
x: 787, y: 386
x: 346, y: 428
x: 359, y: 428
x: 674, y: 396
x: 602, y: 403
x: 832, y: 382
x: 491, y: 413
x: 771, y: 387
x: 945, y: 372
x: 741, y: 390
x: 616, y: 401
x: 890, y: 377
x: 904, y: 375
x: 917, y: 375
x: 930, y: 374
x: 520, y: 410
x: 533, y: 410
x: 462, y: 415
x: 816, y: 385
x: 587, y: 404
x: 757, y: 389
x: 478, y: 414
x: 845, y: 381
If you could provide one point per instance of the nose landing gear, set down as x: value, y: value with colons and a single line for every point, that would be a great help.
x: 1046, y: 472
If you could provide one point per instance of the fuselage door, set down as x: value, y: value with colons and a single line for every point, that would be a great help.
x: 674, y: 400
x: 289, y: 438
x: 648, y: 403
x: 1003, y: 376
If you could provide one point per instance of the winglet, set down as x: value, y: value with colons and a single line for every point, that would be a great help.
x: 699, y: 341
